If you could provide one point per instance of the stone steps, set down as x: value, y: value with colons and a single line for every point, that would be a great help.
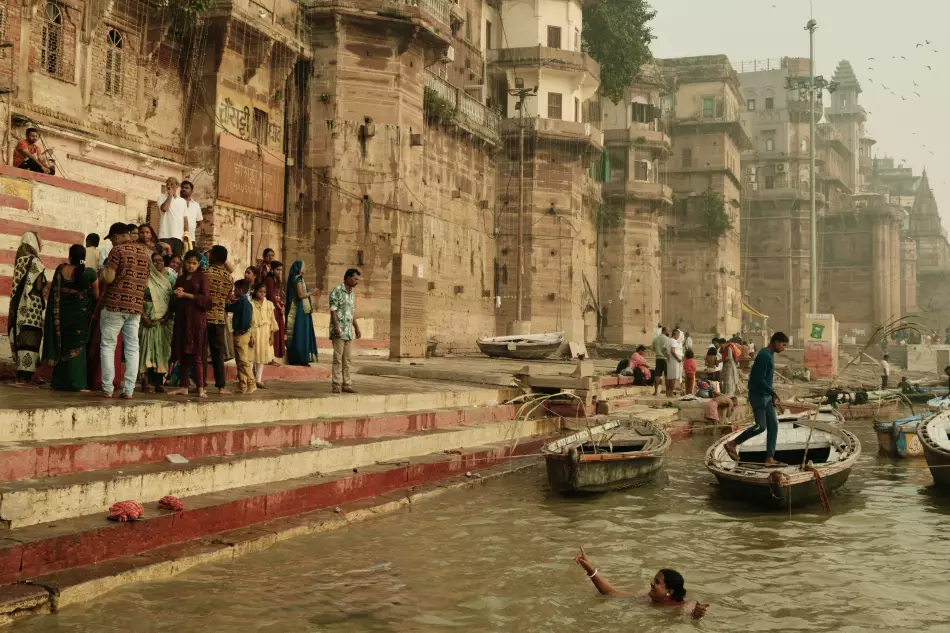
x: 42, y: 416
x: 30, y: 502
x: 32, y: 553
x: 40, y: 459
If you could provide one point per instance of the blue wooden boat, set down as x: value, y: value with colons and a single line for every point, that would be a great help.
x: 899, y: 438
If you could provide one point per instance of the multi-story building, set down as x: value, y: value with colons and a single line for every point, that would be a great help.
x: 637, y: 197
x: 701, y: 277
x: 775, y: 173
x: 545, y: 196
x: 126, y: 94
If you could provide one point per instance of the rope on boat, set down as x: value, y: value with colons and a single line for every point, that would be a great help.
x: 822, y: 495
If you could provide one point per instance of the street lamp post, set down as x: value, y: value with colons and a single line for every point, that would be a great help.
x: 812, y: 87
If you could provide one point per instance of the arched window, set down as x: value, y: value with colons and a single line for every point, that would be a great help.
x: 51, y: 58
x: 114, y: 62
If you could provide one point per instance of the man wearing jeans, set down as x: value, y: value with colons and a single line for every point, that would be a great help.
x: 763, y: 400
x: 343, y: 329
x: 126, y: 271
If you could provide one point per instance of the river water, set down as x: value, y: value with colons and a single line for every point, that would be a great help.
x: 499, y: 557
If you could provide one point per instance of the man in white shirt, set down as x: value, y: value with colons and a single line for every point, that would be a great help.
x: 180, y: 215
x: 885, y: 371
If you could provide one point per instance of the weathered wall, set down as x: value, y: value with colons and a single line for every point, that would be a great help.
x: 359, y: 199
x: 908, y: 283
x: 560, y: 238
x: 630, y: 288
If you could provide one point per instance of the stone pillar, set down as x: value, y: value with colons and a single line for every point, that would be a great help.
x: 908, y: 277
x: 879, y: 277
x: 895, y: 235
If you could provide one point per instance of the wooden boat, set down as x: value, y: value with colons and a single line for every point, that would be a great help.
x: 875, y: 409
x: 801, y: 414
x: 522, y: 346
x: 934, y: 435
x: 606, y: 457
x: 831, y: 450
x: 899, y: 438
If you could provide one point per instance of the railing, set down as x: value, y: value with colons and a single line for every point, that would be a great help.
x: 758, y: 65
x: 438, y: 8
x: 473, y: 115
x: 544, y: 56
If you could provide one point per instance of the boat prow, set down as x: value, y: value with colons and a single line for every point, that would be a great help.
x: 828, y: 448
x: 899, y: 438
x: 606, y: 457
x: 934, y: 435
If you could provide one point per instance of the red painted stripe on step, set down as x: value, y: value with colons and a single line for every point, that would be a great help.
x: 50, y: 461
x: 46, y: 233
x: 33, y: 558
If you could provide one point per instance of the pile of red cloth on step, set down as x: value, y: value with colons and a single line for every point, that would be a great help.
x: 126, y: 511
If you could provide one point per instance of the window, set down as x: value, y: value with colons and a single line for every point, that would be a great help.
x: 770, y: 143
x: 487, y: 34
x: 641, y: 113
x: 114, y: 62
x: 641, y: 170
x: 770, y: 103
x: 554, y: 105
x: 709, y: 107
x: 577, y: 39
x: 770, y: 182
x: 259, y: 131
x: 751, y: 103
x: 687, y: 158
x: 577, y: 110
x: 468, y: 25
x: 51, y: 46
x: 554, y: 37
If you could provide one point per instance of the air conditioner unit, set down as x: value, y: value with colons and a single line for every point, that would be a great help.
x: 750, y: 177
x: 753, y: 186
x: 781, y: 168
x: 750, y: 171
x: 448, y: 55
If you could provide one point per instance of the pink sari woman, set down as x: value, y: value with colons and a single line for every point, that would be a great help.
x: 637, y: 360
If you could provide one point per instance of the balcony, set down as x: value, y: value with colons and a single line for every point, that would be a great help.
x: 471, y: 115
x: 431, y: 13
x: 865, y: 164
x: 714, y: 125
x: 543, y: 57
x: 274, y: 19
x: 798, y: 110
x: 638, y: 190
x: 782, y: 190
x: 634, y: 136
x: 584, y: 133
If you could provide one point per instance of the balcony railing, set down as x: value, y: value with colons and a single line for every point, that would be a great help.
x: 542, y: 56
x: 633, y: 135
x: 567, y: 130
x: 758, y: 65
x: 638, y: 189
x: 472, y: 115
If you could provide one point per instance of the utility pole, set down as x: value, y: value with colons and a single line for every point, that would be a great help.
x: 813, y: 87
x: 521, y: 93
x: 813, y: 262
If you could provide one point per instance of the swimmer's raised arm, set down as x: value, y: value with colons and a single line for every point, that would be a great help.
x: 599, y: 581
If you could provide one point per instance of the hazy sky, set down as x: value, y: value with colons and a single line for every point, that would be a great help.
x: 847, y: 29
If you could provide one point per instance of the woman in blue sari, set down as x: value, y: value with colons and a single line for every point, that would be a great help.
x: 301, y: 341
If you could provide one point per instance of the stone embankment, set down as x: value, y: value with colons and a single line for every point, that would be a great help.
x: 291, y: 460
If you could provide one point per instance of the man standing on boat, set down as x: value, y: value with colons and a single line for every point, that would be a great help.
x: 763, y: 400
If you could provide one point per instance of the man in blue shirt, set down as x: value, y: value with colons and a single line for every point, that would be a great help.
x: 763, y: 400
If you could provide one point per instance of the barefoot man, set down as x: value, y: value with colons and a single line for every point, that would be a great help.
x: 763, y: 400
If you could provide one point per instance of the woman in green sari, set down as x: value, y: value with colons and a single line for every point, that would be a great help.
x: 72, y: 298
x: 155, y: 332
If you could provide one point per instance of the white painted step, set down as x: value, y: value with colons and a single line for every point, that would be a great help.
x: 30, y: 502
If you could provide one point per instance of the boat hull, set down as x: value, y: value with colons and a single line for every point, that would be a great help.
x: 869, y: 411
x: 938, y: 458
x: 521, y: 352
x: 898, y: 441
x: 593, y: 476
x: 777, y: 497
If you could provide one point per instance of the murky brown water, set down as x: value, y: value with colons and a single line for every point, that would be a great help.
x: 499, y: 557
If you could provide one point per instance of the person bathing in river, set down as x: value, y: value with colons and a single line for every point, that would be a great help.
x: 763, y: 400
x: 666, y: 590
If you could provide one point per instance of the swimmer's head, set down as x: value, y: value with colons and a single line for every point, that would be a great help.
x: 667, y: 585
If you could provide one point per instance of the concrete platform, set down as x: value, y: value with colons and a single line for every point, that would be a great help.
x: 29, y: 502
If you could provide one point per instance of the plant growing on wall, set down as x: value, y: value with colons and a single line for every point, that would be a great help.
x: 715, y: 218
x: 437, y: 109
x: 606, y: 216
x: 617, y: 37
x: 184, y: 15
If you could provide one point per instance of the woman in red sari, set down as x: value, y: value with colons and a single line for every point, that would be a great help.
x: 191, y: 299
x: 275, y: 294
